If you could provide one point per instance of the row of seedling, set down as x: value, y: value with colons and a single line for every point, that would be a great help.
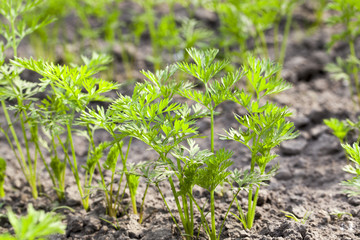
x: 151, y: 114
x: 238, y: 28
x: 347, y: 14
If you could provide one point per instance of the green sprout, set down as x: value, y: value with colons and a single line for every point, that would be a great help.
x: 339, y: 214
x: 266, y: 125
x: 209, y: 177
x: 296, y: 219
x: 339, y: 128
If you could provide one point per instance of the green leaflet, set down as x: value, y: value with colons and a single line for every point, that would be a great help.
x: 340, y: 128
x: 111, y: 160
x: 216, y: 170
x: 95, y: 156
x: 58, y: 167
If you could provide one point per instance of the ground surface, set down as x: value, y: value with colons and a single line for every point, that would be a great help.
x: 307, y: 181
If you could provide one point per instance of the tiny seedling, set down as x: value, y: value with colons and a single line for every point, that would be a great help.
x: 296, y: 219
x: 36, y: 225
x: 339, y: 128
x: 339, y: 214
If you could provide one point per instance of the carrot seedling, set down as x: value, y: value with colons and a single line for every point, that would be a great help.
x: 216, y: 91
x: 347, y: 15
x: 296, y: 219
x: 109, y: 121
x: 72, y: 89
x: 353, y: 185
x: 264, y: 126
x: 12, y: 87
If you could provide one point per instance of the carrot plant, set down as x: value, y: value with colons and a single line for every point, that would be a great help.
x: 216, y: 92
x: 206, y: 168
x: 72, y: 89
x: 109, y: 121
x: 151, y: 116
x: 45, y: 41
x: 339, y: 128
x: 263, y: 127
x: 342, y: 129
x: 163, y: 32
x: 13, y: 29
x: 241, y: 20
x: 347, y: 15
x: 352, y: 185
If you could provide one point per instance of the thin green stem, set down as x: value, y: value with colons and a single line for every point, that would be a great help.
x: 187, y: 227
x: 212, y: 131
x: 23, y: 130
x: 14, y: 135
x: 37, y: 147
x: 206, y: 224
x: 128, y: 179
x: 227, y: 212
x: 92, y: 143
x: 212, y: 206
x: 143, y: 203
x: 118, y: 191
x: 191, y: 216
x: 263, y: 44
x: 285, y: 38
x: 252, y: 208
x: 152, y: 29
x: 73, y: 165
x: 355, y: 70
x: 13, y: 32
x: 61, y: 181
x: 167, y: 206
x: 176, y: 200
x: 276, y: 40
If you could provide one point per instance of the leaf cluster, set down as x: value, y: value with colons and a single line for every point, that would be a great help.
x: 353, y: 152
x: 36, y: 225
x: 347, y: 15
x: 339, y: 128
x: 15, y: 29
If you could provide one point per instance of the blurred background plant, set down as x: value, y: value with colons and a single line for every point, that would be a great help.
x: 124, y: 30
